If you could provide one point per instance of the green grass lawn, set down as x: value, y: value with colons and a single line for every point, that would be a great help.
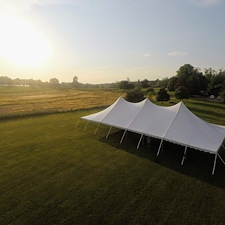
x: 52, y: 173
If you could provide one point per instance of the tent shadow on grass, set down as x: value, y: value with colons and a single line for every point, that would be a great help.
x: 197, y: 165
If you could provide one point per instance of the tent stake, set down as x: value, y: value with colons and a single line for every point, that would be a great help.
x: 184, y: 156
x: 77, y: 123
x: 139, y: 141
x: 123, y: 136
x: 214, y: 166
x: 96, y: 129
x: 108, y: 132
x: 86, y: 126
x: 159, y: 147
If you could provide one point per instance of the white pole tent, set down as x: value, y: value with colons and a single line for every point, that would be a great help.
x: 176, y: 124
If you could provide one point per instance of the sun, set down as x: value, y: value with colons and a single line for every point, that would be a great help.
x: 21, y: 43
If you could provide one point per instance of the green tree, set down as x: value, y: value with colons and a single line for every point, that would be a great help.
x: 219, y: 78
x: 150, y: 89
x: 209, y: 74
x: 134, y: 95
x: 145, y: 83
x: 162, y: 95
x: 172, y: 83
x: 125, y: 84
x: 222, y: 95
x: 137, y: 84
x: 5, y: 80
x: 54, y: 82
x: 75, y: 82
x: 216, y: 83
x: 163, y: 83
x: 181, y: 93
x: 192, y: 79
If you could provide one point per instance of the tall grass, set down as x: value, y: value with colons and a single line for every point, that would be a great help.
x: 20, y: 101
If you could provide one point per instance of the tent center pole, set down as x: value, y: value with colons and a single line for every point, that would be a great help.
x: 108, y: 132
x: 184, y: 156
x: 123, y: 136
x: 139, y: 141
x: 214, y: 166
x: 160, y: 147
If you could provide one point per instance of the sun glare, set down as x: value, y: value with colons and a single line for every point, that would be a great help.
x: 21, y: 43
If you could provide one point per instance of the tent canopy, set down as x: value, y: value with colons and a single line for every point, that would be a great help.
x: 175, y: 123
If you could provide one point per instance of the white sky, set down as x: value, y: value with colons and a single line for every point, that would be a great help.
x: 106, y: 41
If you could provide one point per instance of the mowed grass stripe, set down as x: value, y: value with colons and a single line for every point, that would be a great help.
x: 212, y: 112
x: 53, y: 173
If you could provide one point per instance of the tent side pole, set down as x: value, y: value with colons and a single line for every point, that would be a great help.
x: 139, y: 141
x: 96, y: 129
x: 148, y: 140
x: 160, y: 147
x: 214, y: 165
x: 123, y: 136
x: 184, y: 156
x: 221, y: 159
x: 77, y: 123
x: 108, y: 132
x: 86, y: 126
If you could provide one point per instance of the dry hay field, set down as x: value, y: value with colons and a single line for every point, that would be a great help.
x: 19, y: 101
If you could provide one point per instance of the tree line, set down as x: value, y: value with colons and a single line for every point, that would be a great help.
x: 196, y: 82
x: 188, y: 81
x: 52, y: 83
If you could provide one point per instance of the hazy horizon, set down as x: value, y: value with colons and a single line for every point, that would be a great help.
x: 108, y: 41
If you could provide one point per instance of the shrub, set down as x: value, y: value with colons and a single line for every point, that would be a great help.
x: 162, y: 95
x: 222, y: 95
x: 150, y: 89
x: 134, y: 96
x: 181, y: 93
